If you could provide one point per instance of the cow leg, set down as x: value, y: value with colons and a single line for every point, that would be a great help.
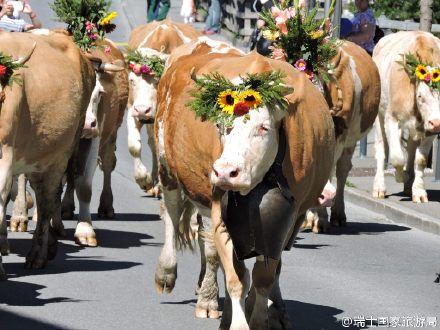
x: 411, y: 148
x: 380, y: 147
x: 5, y: 187
x: 155, y: 190
x: 236, y: 274
x: 343, y: 167
x: 84, y: 233
x: 19, y: 218
x: 108, y: 164
x: 68, y: 203
x: 48, y: 197
x: 166, y: 271
x: 207, y: 301
x: 316, y: 220
x: 263, y: 279
x: 397, y: 153
x: 419, y: 194
x: 141, y: 175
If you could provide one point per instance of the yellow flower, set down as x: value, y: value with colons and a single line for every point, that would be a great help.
x: 251, y: 98
x: 227, y: 100
x: 421, y: 72
x: 106, y: 20
x: 435, y: 74
x: 317, y: 34
x: 271, y: 35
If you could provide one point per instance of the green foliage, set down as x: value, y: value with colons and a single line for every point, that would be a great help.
x: 8, y: 66
x: 87, y: 20
x: 307, y: 37
x: 154, y: 63
x: 419, y: 71
x: 404, y: 9
x: 205, y: 98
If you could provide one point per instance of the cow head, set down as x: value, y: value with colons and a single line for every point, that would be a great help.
x: 91, y: 125
x: 143, y: 90
x: 250, y: 146
x: 428, y: 104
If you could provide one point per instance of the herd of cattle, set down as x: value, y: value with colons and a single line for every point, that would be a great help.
x: 61, y: 121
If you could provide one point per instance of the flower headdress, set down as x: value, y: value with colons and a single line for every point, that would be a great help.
x: 300, y: 39
x: 7, y: 68
x: 87, y: 20
x: 421, y: 71
x: 218, y: 100
x: 148, y: 65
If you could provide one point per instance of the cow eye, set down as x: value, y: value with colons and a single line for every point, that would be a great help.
x: 263, y: 129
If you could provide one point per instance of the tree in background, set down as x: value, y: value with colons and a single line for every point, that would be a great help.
x: 426, y: 14
x: 405, y: 9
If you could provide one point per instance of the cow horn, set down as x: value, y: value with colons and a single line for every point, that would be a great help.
x: 117, y: 66
x: 92, y: 58
x: 22, y: 60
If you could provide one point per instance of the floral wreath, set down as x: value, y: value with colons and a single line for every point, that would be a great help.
x: 218, y: 100
x: 421, y: 71
x: 145, y: 65
x: 7, y: 67
x: 87, y: 20
x: 300, y: 39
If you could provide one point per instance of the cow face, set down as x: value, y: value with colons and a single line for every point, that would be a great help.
x: 428, y: 103
x: 143, y: 90
x: 249, y: 150
x: 90, y: 129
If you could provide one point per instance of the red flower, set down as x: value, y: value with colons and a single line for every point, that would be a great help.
x: 3, y: 70
x: 241, y: 109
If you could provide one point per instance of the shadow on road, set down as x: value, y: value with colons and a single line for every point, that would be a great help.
x: 309, y: 246
x: 128, y: 217
x: 362, y: 228
x: 13, y: 321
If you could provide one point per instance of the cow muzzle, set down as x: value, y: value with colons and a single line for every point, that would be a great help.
x: 228, y: 176
x: 433, y: 126
x: 327, y: 195
x: 90, y: 129
x: 143, y: 113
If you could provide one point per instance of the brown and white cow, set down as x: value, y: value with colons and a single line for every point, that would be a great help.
x: 353, y: 95
x: 408, y: 110
x: 152, y: 39
x: 41, y: 120
x: 189, y: 148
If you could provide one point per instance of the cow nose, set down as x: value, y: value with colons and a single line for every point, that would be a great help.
x: 142, y: 109
x: 93, y: 123
x: 226, y: 172
x: 434, y: 125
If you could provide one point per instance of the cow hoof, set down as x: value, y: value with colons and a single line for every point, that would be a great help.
x: 165, y: 279
x: 4, y: 245
x: 145, y: 182
x: 338, y: 221
x: 379, y: 193
x: 85, y: 235
x: 106, y: 213
x: 35, y: 263
x: 420, y: 197
x: 204, y: 313
x: 13, y: 225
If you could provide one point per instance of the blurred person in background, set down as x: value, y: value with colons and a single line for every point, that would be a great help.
x: 157, y: 10
x: 11, y: 16
x: 212, y: 24
x: 364, y: 26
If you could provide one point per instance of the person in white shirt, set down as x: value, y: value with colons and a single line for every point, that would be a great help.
x: 11, y: 16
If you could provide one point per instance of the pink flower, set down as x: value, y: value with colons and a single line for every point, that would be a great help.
x: 278, y: 54
x: 300, y: 65
x: 145, y: 69
x: 428, y: 78
x: 281, y: 17
x: 89, y: 26
x: 137, y: 69
x: 107, y: 49
x: 93, y: 36
x: 131, y: 65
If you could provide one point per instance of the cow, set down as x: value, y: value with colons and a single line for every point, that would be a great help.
x: 195, y: 157
x: 353, y: 95
x: 152, y: 39
x: 41, y: 120
x: 409, y: 109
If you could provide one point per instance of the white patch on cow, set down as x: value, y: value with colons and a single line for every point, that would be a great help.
x: 40, y: 32
x: 161, y: 140
x: 149, y: 35
x: 90, y: 129
x: 219, y: 47
x: 182, y: 36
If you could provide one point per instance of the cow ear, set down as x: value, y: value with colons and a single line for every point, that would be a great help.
x: 192, y: 73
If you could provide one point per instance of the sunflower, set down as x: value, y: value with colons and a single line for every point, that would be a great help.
x: 316, y: 34
x: 421, y: 72
x: 251, y: 98
x: 435, y: 74
x: 106, y: 20
x: 227, y: 100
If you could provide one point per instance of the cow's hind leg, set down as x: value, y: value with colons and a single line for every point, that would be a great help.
x: 343, y: 167
x: 419, y: 194
x: 48, y: 197
x: 68, y: 202
x: 207, y: 302
x: 5, y: 187
x: 108, y: 164
x: 380, y: 148
x: 155, y: 190
x: 84, y: 233
x: 172, y: 209
x: 19, y: 219
x: 141, y: 175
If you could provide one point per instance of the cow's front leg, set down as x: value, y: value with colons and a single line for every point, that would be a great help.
x: 380, y: 149
x: 419, y: 194
x: 236, y: 274
x: 155, y: 190
x: 19, y: 218
x: 108, y: 164
x: 397, y: 153
x: 5, y: 187
x: 84, y: 233
x: 207, y: 301
x: 141, y: 175
x: 343, y: 167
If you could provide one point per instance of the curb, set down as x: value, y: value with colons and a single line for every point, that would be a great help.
x: 393, y: 211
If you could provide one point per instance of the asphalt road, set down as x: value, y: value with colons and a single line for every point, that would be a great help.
x: 372, y: 268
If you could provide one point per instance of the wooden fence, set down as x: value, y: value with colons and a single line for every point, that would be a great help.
x: 239, y: 17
